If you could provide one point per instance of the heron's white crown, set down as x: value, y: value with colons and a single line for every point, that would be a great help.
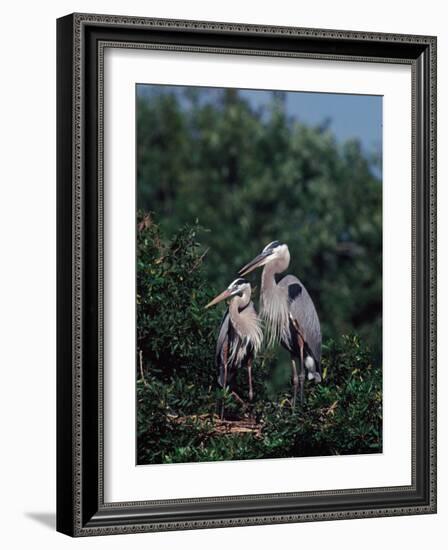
x: 238, y: 284
x: 280, y: 251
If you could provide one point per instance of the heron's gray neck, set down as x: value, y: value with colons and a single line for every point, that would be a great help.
x: 245, y: 321
x: 274, y: 304
x: 268, y: 283
x: 236, y: 308
x: 269, y: 288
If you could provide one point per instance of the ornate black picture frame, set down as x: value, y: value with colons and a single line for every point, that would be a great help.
x: 81, y: 509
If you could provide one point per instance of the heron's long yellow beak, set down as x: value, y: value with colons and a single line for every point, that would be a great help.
x: 258, y: 261
x: 219, y: 298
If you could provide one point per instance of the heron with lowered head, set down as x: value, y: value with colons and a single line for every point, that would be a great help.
x: 289, y: 313
x: 240, y: 336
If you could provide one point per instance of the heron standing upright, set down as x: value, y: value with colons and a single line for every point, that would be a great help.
x: 240, y: 336
x: 289, y: 313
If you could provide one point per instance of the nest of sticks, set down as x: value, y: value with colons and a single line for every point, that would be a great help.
x: 221, y: 426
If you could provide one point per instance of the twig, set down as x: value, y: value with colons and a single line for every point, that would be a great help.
x: 199, y: 260
x: 145, y: 223
x: 140, y: 354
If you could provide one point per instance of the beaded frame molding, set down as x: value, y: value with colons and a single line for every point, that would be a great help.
x: 81, y: 40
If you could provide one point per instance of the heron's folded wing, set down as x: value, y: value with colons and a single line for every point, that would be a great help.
x: 304, y: 313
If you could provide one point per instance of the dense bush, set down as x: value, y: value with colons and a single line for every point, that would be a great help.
x: 177, y: 391
x: 174, y: 332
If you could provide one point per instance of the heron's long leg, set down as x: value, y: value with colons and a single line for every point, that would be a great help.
x: 302, y: 371
x: 224, y: 384
x: 249, y: 372
x: 295, y: 381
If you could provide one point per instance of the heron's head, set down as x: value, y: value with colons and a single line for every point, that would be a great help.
x: 236, y: 288
x: 274, y: 251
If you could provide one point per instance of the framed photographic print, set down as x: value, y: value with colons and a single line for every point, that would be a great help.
x: 246, y: 274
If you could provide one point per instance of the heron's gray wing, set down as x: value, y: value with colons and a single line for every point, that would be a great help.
x: 304, y: 313
x: 222, y: 335
x: 222, y: 346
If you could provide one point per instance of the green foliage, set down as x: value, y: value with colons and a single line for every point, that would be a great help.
x: 177, y: 391
x: 173, y: 331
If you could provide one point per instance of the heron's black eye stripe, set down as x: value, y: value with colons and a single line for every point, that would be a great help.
x: 272, y: 245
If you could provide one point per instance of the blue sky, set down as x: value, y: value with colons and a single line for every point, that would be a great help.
x: 349, y: 116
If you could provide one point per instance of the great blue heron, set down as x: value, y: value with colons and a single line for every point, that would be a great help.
x: 289, y: 313
x: 240, y: 336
